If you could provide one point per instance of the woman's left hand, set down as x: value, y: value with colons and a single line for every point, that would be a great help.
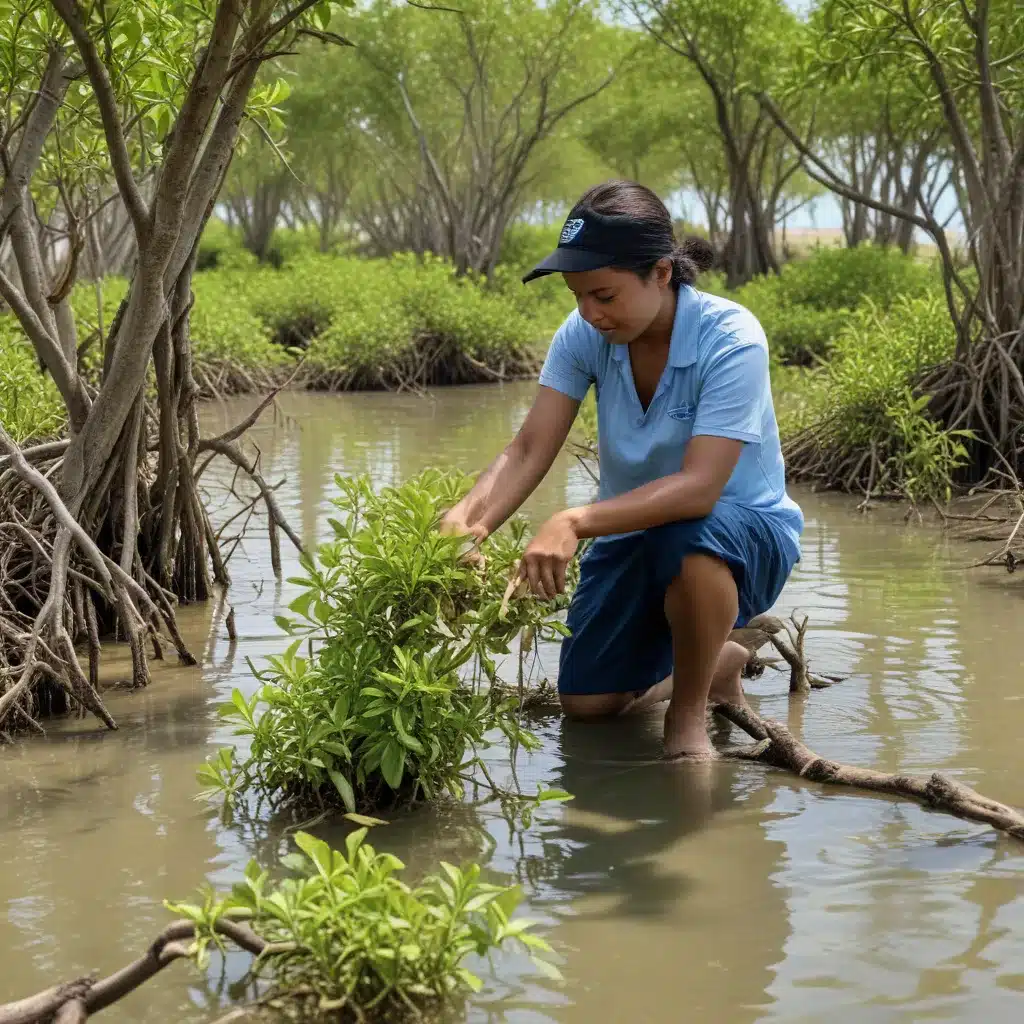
x: 548, y: 555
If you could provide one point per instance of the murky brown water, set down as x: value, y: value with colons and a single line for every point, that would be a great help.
x: 724, y: 893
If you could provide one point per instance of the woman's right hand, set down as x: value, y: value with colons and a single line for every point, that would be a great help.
x: 455, y: 522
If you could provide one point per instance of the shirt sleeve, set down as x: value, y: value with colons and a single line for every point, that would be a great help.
x: 732, y: 392
x: 567, y: 367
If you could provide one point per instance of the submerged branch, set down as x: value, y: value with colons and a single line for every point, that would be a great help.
x: 936, y: 792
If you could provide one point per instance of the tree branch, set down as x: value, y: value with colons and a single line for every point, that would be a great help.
x: 193, y: 119
x: 173, y: 943
x: 230, y: 450
x: 112, y: 128
x: 240, y: 428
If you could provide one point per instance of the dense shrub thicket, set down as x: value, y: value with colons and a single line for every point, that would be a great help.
x: 804, y: 309
x: 856, y: 424
x: 849, y: 330
x: 30, y: 405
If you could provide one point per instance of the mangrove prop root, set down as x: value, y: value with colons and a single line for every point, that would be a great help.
x: 78, y: 1000
x: 113, y: 560
x: 1000, y: 520
x: 779, y: 748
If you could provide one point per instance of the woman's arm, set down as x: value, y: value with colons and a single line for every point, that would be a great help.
x: 689, y: 494
x: 513, y: 476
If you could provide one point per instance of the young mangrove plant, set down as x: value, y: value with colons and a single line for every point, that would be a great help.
x: 340, y: 937
x: 398, y: 689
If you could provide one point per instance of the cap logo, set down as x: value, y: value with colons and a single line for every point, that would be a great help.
x: 571, y: 230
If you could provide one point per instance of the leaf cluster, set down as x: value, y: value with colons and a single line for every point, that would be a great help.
x: 348, y: 932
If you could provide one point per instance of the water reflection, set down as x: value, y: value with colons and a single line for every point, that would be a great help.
x: 724, y: 893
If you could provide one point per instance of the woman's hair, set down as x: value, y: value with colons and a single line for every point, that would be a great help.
x: 631, y: 200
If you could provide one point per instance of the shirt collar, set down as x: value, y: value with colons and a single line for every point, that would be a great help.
x: 683, y: 346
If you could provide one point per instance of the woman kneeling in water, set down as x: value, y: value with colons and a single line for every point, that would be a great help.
x: 694, y: 532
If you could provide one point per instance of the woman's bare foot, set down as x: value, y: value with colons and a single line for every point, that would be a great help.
x: 726, y: 684
x: 686, y: 735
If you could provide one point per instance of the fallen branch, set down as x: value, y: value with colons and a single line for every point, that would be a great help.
x: 79, y: 999
x: 778, y: 747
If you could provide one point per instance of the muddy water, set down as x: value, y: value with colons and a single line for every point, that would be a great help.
x: 721, y: 893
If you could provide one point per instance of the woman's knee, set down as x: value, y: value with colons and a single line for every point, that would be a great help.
x: 698, y: 572
x: 590, y: 706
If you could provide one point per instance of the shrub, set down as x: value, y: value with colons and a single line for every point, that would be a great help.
x: 525, y: 245
x: 364, y: 323
x: 546, y: 301
x: 797, y: 335
x: 877, y: 354
x: 226, y: 330
x: 352, y: 937
x: 838, y: 278
x: 804, y: 309
x: 220, y: 247
x: 402, y: 322
x: 391, y: 315
x: 31, y: 408
x: 400, y: 688
x: 867, y: 427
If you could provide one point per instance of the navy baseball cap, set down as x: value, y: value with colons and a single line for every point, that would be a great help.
x: 591, y: 240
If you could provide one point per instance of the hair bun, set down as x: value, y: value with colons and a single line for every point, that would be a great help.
x: 700, y: 251
x: 690, y: 258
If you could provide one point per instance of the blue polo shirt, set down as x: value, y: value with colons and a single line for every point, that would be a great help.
x: 716, y: 382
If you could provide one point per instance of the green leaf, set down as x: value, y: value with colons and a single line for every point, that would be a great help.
x: 316, y: 849
x: 392, y: 765
x: 353, y: 841
x: 295, y: 862
x: 301, y: 604
x: 410, y: 741
x: 481, y: 901
x: 547, y: 968
x: 365, y: 819
x: 553, y: 794
x: 344, y: 788
x: 470, y: 980
x: 322, y: 15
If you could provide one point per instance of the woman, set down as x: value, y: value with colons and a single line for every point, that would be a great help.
x: 693, y: 531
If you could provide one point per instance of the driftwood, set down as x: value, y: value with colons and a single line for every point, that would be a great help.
x: 778, y: 747
x: 79, y: 999
x: 789, y: 642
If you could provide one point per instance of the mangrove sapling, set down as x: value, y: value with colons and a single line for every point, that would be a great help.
x: 397, y: 692
x: 340, y: 937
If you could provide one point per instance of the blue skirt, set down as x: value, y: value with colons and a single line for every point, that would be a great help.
x: 620, y: 639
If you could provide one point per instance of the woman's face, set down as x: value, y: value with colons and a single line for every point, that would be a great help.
x: 621, y: 304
